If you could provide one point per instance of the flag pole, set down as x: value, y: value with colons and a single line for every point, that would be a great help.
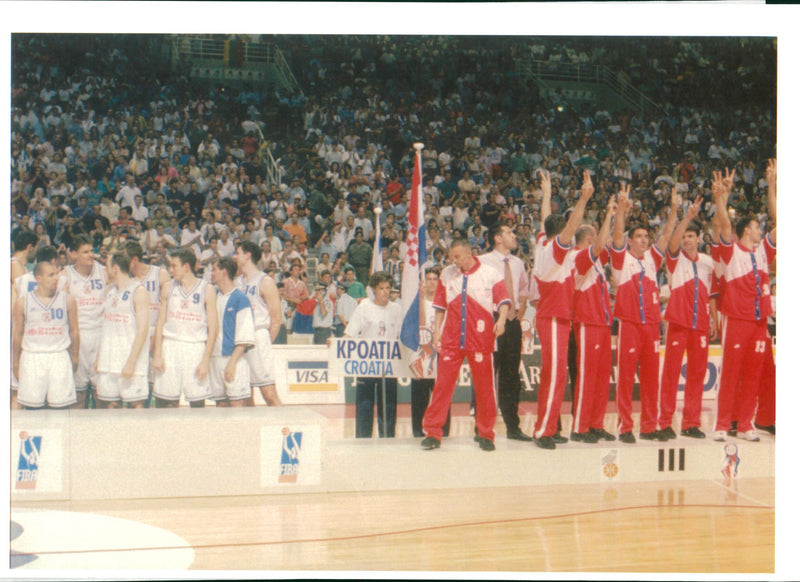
x: 418, y: 147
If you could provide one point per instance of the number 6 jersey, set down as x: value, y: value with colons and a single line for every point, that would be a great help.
x: 119, y: 332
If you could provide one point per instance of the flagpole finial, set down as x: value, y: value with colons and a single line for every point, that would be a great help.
x: 419, y: 145
x: 377, y: 210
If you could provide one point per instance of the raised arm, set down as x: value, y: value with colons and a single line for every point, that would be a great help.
x: 677, y: 235
x: 772, y: 194
x: 721, y: 190
x: 576, y: 217
x: 547, y: 191
x: 601, y: 240
x: 623, y: 206
x: 672, y: 219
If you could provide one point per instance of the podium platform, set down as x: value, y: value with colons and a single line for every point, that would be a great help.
x: 170, y: 453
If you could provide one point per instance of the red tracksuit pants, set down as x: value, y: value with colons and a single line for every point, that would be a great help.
x: 448, y: 368
x: 593, y: 376
x: 638, y: 344
x: 765, y: 415
x: 695, y: 343
x: 744, y: 351
x: 554, y: 339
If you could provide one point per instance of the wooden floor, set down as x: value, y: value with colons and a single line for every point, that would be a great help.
x: 691, y: 526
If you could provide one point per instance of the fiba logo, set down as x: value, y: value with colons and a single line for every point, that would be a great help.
x: 290, y: 456
x: 730, y: 467
x: 30, y: 449
x: 609, y: 465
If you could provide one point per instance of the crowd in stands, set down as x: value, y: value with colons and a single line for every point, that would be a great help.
x: 107, y: 141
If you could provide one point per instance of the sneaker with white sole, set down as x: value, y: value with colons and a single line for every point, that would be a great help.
x: 719, y: 436
x: 750, y: 435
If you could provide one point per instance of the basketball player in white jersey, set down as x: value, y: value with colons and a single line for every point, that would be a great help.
x: 24, y: 246
x: 85, y: 280
x: 153, y: 278
x: 124, y: 340
x: 263, y: 294
x: 46, y: 343
x: 230, y: 374
x: 186, y: 330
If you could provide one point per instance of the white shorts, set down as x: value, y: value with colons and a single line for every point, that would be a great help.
x: 239, y: 389
x: 259, y: 358
x: 180, y: 362
x: 112, y: 387
x: 90, y: 345
x: 46, y: 375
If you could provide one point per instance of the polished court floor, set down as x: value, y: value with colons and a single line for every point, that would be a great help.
x: 691, y: 526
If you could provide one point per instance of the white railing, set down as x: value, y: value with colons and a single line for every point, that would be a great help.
x: 582, y: 73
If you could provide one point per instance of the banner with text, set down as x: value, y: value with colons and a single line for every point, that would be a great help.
x: 372, y: 358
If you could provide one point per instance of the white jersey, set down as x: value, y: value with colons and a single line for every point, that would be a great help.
x: 26, y: 283
x: 252, y: 289
x: 119, y: 332
x: 89, y: 292
x: 46, y: 325
x: 187, y: 319
x: 152, y: 284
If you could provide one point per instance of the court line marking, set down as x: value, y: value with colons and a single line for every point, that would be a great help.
x: 412, y: 530
x: 742, y: 495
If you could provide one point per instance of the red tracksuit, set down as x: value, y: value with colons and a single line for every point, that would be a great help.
x: 746, y: 305
x: 591, y: 322
x: 638, y: 339
x: 688, y: 317
x: 469, y: 301
x: 552, y: 270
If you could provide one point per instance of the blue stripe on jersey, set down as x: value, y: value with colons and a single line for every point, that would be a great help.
x: 236, y: 302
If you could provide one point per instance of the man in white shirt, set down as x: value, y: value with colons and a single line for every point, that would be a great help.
x: 225, y: 246
x: 139, y: 211
x: 127, y: 194
x: 509, y: 345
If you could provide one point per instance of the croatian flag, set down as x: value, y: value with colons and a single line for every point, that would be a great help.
x: 416, y: 255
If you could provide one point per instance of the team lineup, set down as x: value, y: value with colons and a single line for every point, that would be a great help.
x: 125, y: 327
x: 127, y: 331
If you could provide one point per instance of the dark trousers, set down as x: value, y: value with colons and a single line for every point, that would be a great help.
x: 368, y: 393
x: 420, y: 396
x: 321, y: 334
x: 338, y: 329
x: 280, y: 339
x: 506, y: 366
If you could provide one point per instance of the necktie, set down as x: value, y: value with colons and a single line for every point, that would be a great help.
x: 512, y: 312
